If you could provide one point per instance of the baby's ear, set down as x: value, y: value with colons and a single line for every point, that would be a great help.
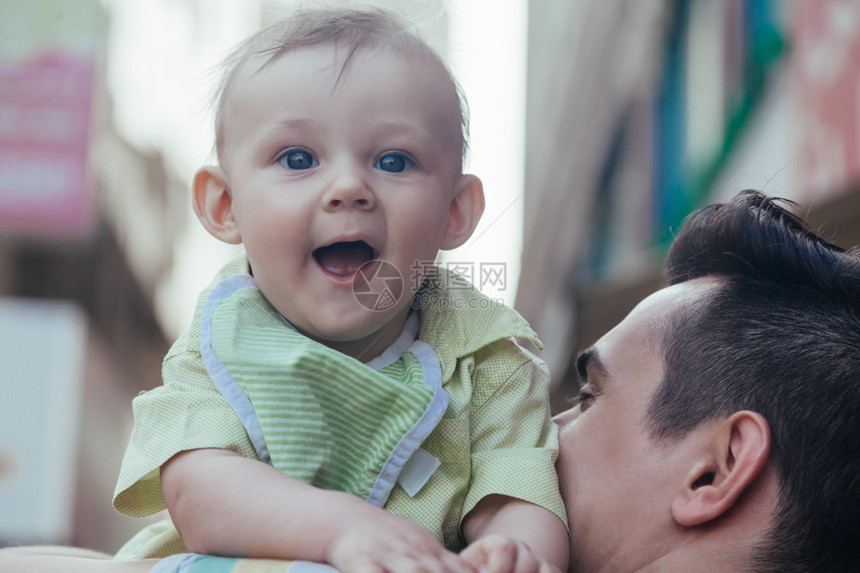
x: 465, y: 211
x: 213, y: 204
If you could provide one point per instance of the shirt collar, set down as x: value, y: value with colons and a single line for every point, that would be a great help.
x: 457, y: 320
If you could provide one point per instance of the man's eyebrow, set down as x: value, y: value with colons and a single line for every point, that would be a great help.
x: 588, y: 360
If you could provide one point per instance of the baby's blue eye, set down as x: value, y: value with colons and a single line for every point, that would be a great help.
x: 298, y: 159
x: 394, y: 163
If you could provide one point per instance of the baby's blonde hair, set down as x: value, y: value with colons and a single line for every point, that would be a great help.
x: 350, y: 29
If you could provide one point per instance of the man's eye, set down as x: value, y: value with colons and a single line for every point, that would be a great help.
x: 584, y: 399
x: 394, y: 163
x: 298, y: 159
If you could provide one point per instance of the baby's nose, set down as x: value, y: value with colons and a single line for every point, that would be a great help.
x: 349, y: 189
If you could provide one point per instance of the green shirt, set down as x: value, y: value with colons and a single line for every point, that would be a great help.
x: 494, y: 429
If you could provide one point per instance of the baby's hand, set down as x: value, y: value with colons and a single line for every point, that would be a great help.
x: 500, y: 554
x: 379, y: 542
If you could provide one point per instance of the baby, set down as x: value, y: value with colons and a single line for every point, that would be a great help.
x: 298, y: 405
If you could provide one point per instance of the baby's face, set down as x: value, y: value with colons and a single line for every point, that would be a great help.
x: 331, y: 170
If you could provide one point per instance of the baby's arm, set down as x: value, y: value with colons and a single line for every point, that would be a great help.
x: 511, y: 535
x: 225, y: 504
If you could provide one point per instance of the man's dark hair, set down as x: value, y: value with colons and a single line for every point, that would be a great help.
x: 780, y: 336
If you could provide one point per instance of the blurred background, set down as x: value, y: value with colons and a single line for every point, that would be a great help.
x: 597, y: 126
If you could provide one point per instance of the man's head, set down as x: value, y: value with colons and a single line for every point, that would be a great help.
x: 780, y: 337
x: 340, y: 145
x: 733, y: 402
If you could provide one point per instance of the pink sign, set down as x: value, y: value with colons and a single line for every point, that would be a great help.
x: 45, y: 110
x: 826, y: 67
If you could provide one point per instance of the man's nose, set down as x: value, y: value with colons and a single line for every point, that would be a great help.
x: 568, y: 416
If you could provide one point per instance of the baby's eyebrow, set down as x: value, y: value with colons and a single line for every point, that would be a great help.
x: 296, y: 122
x: 290, y: 125
x: 278, y: 128
x: 399, y: 129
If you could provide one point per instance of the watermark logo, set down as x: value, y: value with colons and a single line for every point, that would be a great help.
x: 460, y: 275
x: 493, y: 275
x: 378, y: 285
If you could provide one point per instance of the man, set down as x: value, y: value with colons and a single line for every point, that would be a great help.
x: 718, y: 426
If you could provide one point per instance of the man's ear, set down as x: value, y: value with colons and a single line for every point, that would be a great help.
x: 732, y: 457
x: 213, y: 204
x: 465, y: 211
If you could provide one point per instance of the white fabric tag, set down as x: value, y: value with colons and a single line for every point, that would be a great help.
x: 417, y: 471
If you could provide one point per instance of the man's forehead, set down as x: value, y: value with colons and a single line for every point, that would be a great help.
x: 644, y: 328
x: 654, y: 313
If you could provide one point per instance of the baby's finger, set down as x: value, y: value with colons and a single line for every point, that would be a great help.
x: 457, y: 564
x: 502, y: 557
x: 527, y: 562
x: 410, y: 564
x: 549, y: 568
x: 475, y: 556
x: 428, y: 564
x: 368, y: 566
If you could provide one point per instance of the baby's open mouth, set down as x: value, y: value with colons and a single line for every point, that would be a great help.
x: 344, y: 258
